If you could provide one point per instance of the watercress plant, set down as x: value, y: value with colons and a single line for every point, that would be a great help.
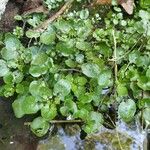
x: 78, y: 67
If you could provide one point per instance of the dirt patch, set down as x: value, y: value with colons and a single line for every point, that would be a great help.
x: 7, y: 22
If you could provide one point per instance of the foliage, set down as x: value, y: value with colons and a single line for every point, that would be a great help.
x: 64, y: 71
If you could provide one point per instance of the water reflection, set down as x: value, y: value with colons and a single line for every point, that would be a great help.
x: 15, y: 136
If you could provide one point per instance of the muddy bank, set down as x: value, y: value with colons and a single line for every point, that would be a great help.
x: 14, y: 135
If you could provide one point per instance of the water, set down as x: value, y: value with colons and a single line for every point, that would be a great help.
x: 14, y: 135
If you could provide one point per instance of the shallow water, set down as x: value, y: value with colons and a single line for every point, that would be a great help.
x: 14, y: 135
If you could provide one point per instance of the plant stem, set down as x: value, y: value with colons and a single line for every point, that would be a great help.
x: 65, y: 121
x: 29, y: 42
x: 69, y: 70
x: 115, y: 55
x: 59, y: 122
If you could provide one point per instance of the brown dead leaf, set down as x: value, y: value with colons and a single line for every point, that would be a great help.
x: 128, y: 5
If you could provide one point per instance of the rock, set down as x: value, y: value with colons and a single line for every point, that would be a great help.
x: 52, y: 143
x: 2, y: 6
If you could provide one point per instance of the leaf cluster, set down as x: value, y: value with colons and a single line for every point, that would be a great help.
x: 64, y: 71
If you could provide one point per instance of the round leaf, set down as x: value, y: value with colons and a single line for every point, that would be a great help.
x: 3, y: 68
x: 146, y: 115
x: 9, y: 54
x: 65, y: 47
x: 62, y: 87
x: 37, y: 71
x: 39, y: 126
x: 48, y: 37
x: 17, y: 106
x: 30, y: 105
x: 127, y: 110
x: 49, y: 112
x: 90, y: 70
x: 40, y: 59
x: 32, y: 34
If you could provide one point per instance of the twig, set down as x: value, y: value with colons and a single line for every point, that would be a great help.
x: 65, y: 121
x: 113, y: 59
x: 58, y: 122
x: 45, y: 24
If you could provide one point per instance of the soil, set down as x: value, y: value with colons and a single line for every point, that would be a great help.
x: 14, y: 135
x: 7, y: 22
x: 14, y: 7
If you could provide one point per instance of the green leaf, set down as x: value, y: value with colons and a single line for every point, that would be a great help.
x: 37, y: 71
x: 82, y: 45
x: 90, y: 70
x: 66, y: 47
x: 146, y: 115
x: 70, y: 63
x: 62, y: 87
x: 84, y: 14
x: 63, y: 26
x: 18, y: 17
x: 143, y: 61
x: 8, y: 78
x: 35, y: 19
x: 12, y: 42
x: 144, y: 4
x: 78, y: 90
x: 136, y: 91
x: 9, y: 90
x: 17, y: 106
x: 32, y: 34
x: 9, y: 54
x: 80, y: 58
x: 64, y: 110
x: 148, y: 72
x: 39, y: 59
x: 39, y: 88
x: 81, y: 81
x: 45, y: 92
x: 48, y: 37
x: 22, y: 88
x: 127, y: 110
x: 104, y: 78
x: 85, y: 98
x: 72, y: 107
x: 30, y: 105
x: 39, y: 126
x: 122, y: 90
x: 143, y: 103
x: 34, y: 88
x: 95, y: 121
x: 82, y: 113
x: 104, y: 49
x: 49, y: 112
x: 84, y: 28
x: 3, y: 68
x: 17, y: 76
x: 133, y: 56
x: 144, y: 83
x: 2, y: 91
